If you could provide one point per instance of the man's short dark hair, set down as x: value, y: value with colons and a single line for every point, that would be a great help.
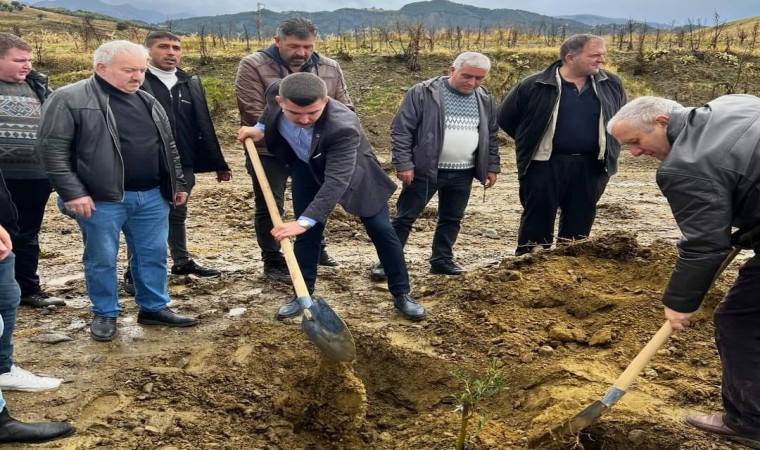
x: 153, y: 36
x: 575, y: 43
x: 303, y: 88
x: 298, y: 27
x: 9, y: 41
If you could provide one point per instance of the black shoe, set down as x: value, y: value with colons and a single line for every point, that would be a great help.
x: 192, y: 268
x: 129, y: 283
x: 165, y: 317
x: 377, y: 273
x: 11, y: 430
x: 446, y: 268
x: 103, y: 329
x: 290, y: 309
x: 326, y: 260
x: 41, y: 300
x: 277, y: 272
x: 409, y: 308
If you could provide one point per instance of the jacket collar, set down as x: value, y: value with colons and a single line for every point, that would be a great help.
x: 550, y: 76
x: 676, y: 123
x: 273, y: 52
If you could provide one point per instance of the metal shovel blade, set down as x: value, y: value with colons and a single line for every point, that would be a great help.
x: 328, y: 332
x: 572, y: 426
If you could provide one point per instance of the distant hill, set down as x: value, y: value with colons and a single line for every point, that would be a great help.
x: 433, y: 14
x: 123, y: 11
x: 590, y: 19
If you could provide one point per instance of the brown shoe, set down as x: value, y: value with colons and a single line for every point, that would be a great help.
x: 713, y: 423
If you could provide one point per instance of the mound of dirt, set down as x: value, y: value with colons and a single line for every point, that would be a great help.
x: 561, y: 325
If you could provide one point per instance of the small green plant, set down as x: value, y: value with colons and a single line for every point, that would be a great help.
x: 468, y: 401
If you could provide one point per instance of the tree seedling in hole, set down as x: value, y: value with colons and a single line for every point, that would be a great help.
x: 468, y: 401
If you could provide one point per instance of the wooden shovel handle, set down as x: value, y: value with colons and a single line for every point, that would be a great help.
x: 657, y: 341
x: 287, y: 246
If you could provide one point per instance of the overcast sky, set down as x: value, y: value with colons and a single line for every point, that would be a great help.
x: 662, y: 11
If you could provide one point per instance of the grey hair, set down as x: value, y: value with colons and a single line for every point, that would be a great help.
x: 473, y: 59
x: 106, y: 52
x: 299, y: 27
x: 642, y: 112
x: 575, y: 43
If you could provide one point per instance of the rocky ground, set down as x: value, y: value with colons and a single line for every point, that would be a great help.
x: 561, y: 325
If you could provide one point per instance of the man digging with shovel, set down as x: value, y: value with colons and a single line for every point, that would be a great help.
x: 710, y: 174
x: 331, y: 162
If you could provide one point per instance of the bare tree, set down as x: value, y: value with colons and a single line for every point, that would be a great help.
x: 642, y: 37
x: 631, y: 27
x: 38, y: 42
x: 246, y: 37
x: 718, y: 28
x: 621, y: 38
x: 742, y: 35
x: 746, y: 55
x: 695, y: 34
x: 203, y: 46
x: 413, y: 49
x: 657, y: 37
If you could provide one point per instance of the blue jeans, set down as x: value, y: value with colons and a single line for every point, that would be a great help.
x: 9, y: 293
x: 9, y: 300
x: 453, y: 187
x: 307, y: 246
x: 143, y: 217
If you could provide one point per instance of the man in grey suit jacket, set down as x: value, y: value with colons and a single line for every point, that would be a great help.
x: 331, y: 162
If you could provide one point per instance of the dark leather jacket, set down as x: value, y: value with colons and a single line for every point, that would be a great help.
x: 526, y: 113
x: 417, y: 131
x: 39, y: 83
x: 711, y: 178
x: 79, y: 145
x: 186, y: 104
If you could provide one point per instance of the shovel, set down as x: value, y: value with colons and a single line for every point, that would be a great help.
x: 321, y: 324
x: 592, y: 412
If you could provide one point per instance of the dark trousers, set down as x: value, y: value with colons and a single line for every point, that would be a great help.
x: 277, y: 176
x: 571, y: 183
x: 453, y: 188
x: 737, y: 334
x: 178, y: 223
x: 307, y: 245
x: 30, y: 197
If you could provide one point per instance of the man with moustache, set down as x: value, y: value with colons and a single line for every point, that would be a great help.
x: 108, y: 150
x: 292, y: 52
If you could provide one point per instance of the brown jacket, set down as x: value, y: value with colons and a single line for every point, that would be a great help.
x: 260, y: 69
